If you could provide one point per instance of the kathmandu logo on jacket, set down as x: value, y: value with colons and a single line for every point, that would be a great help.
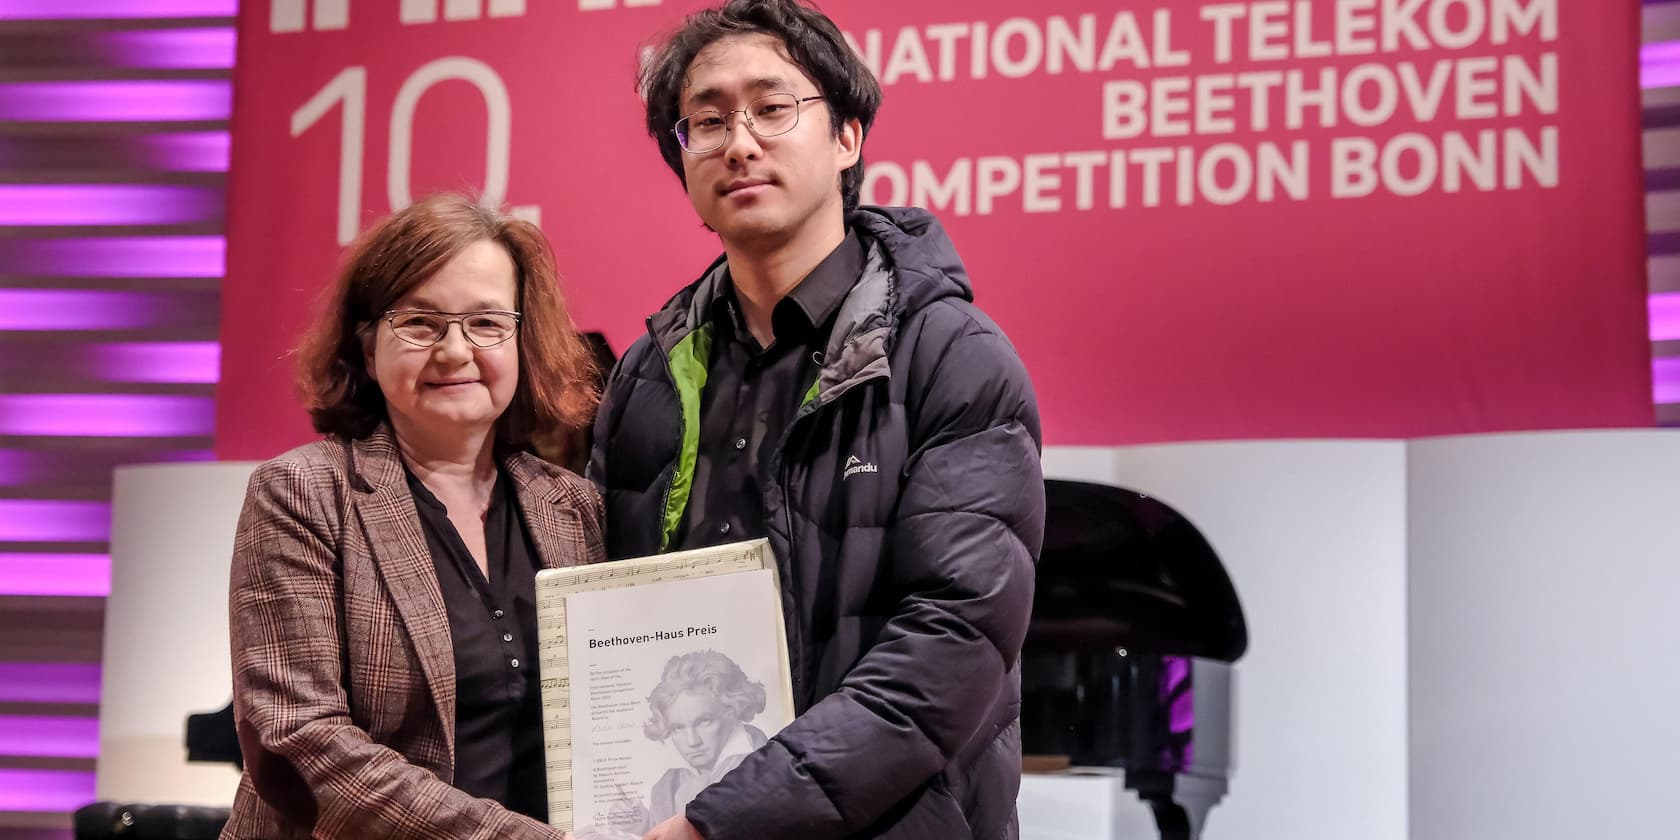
x: 855, y: 466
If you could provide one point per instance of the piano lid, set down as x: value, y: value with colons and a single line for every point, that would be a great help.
x: 1121, y: 569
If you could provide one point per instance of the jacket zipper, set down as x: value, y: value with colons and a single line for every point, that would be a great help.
x: 782, y: 478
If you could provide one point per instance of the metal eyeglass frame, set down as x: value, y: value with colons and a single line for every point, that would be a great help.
x: 746, y: 114
x: 450, y: 318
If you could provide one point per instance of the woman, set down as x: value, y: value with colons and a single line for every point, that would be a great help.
x: 382, y: 601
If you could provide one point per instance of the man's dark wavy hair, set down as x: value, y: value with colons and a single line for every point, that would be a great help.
x: 812, y: 41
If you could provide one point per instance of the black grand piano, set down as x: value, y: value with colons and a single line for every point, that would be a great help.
x: 1127, y: 664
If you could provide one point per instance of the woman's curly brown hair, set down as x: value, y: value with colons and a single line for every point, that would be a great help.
x: 556, y: 394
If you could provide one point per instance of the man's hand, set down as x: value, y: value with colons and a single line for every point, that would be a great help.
x: 675, y: 828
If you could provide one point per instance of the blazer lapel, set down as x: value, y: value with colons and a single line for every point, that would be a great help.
x: 552, y: 514
x: 392, y: 527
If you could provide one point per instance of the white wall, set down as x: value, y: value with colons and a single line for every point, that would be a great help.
x: 1313, y: 536
x: 1545, y: 635
x: 166, y: 630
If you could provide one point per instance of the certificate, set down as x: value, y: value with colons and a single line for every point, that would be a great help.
x: 659, y: 675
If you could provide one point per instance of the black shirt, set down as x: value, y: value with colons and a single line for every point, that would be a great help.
x: 752, y: 393
x: 493, y: 624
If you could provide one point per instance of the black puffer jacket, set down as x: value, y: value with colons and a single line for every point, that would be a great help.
x: 906, y: 508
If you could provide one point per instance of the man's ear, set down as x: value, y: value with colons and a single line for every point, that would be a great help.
x: 848, y: 144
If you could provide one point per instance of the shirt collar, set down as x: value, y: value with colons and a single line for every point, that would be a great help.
x: 812, y: 302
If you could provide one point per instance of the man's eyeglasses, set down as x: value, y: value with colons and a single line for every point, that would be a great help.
x: 424, y: 327
x: 767, y: 116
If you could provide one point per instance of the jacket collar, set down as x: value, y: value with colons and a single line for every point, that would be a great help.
x: 376, y: 470
x: 858, y: 345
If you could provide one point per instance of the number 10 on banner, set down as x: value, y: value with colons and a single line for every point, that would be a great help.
x: 350, y: 88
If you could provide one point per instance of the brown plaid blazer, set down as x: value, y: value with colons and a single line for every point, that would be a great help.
x: 343, y: 671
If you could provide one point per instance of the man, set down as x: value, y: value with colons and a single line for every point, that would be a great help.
x: 827, y: 383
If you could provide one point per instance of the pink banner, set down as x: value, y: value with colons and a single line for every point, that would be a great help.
x: 1197, y: 220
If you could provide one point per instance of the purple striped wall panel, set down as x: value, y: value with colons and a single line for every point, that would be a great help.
x: 109, y: 241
